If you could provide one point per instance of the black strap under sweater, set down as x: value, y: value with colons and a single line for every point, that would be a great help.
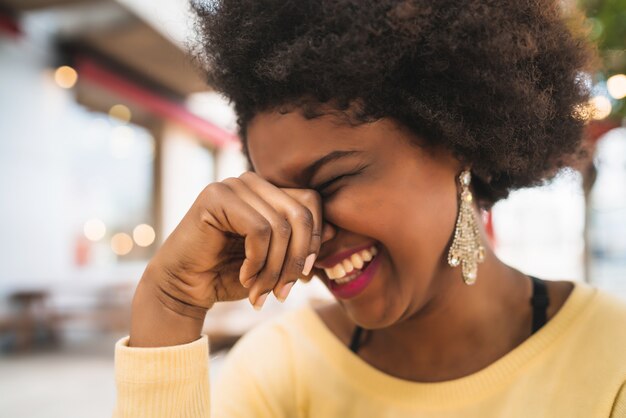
x: 539, y: 301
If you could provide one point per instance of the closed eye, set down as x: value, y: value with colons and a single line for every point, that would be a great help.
x: 321, y: 189
x: 324, y: 186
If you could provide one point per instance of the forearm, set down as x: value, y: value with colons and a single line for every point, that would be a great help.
x: 162, y: 369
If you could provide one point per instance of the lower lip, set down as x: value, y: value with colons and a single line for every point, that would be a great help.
x: 357, y: 285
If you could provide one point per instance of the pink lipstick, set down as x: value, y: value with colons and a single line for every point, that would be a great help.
x: 356, y: 286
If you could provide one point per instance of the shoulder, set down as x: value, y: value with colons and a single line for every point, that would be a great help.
x: 606, y: 335
x: 596, y: 332
x: 607, y: 310
x: 596, y: 315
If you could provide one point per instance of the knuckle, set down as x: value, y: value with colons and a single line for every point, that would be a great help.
x: 256, y: 263
x: 307, y: 217
x: 301, y: 214
x: 297, y: 263
x: 316, y: 234
x: 246, y: 174
x: 232, y: 181
x: 215, y: 188
x: 263, y: 229
x: 214, y: 192
x: 271, y: 277
x: 283, y: 228
x: 311, y: 196
x: 257, y: 258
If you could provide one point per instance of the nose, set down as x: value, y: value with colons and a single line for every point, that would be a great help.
x: 328, y: 232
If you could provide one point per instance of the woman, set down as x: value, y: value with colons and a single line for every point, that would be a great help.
x: 375, y: 132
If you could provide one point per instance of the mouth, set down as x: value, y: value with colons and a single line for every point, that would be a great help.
x: 348, y: 282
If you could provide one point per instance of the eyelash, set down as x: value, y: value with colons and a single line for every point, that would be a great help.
x: 320, y: 189
x: 325, y: 186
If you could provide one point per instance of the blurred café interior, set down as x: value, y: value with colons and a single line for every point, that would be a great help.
x: 108, y: 134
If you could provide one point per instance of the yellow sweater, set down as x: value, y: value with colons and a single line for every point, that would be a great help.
x: 293, y: 366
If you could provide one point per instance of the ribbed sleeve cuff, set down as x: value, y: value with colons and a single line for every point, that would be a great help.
x: 162, y: 382
x: 154, y: 364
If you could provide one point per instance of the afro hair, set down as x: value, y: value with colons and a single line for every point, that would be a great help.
x: 504, y: 86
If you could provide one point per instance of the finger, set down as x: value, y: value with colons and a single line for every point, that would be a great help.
x: 313, y: 201
x: 302, y: 224
x: 269, y: 275
x: 241, y: 219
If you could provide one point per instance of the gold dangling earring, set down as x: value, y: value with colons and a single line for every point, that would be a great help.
x: 466, y: 249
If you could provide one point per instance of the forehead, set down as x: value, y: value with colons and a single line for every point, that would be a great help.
x: 280, y: 145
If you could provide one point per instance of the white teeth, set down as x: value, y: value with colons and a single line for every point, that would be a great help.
x: 337, y: 272
x: 343, y: 280
x: 356, y: 260
x: 348, y: 265
x: 367, y: 256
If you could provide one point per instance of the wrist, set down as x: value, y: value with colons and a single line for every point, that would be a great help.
x: 158, y: 320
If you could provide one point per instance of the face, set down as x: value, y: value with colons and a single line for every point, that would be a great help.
x: 398, y: 195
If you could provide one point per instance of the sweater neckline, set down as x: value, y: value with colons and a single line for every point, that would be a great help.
x: 457, y: 391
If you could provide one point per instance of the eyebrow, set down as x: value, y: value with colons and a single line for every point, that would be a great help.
x: 310, y: 170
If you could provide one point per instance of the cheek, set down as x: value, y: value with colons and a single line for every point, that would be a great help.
x: 413, y: 220
x: 419, y: 227
x: 358, y: 210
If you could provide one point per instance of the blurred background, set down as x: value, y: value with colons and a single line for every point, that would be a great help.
x: 107, y: 135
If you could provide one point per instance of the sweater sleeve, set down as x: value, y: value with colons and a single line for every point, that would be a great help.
x: 619, y: 407
x: 255, y: 380
x: 162, y: 381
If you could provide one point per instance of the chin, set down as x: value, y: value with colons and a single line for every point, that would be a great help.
x: 371, y: 299
x: 376, y: 314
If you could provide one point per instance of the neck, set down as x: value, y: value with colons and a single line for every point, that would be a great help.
x: 459, y: 328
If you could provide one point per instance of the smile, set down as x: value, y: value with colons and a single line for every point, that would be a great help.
x: 350, y: 277
x: 351, y: 267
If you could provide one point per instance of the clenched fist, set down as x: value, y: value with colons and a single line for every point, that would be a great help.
x: 242, y: 237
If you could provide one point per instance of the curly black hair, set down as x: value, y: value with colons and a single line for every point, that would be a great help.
x: 504, y: 85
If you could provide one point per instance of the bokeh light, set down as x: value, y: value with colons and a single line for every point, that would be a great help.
x: 616, y: 85
x: 144, y: 235
x: 65, y: 77
x: 120, y: 113
x: 601, y: 107
x: 94, y: 229
x: 121, y: 243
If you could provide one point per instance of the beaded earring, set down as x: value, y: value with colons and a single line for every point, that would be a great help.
x: 466, y: 249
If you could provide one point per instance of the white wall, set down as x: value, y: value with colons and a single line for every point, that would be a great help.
x: 34, y: 212
x: 47, y: 190
x: 540, y: 230
x: 187, y: 167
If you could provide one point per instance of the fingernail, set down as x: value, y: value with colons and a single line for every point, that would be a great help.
x: 260, y: 301
x: 308, y: 264
x: 285, y: 291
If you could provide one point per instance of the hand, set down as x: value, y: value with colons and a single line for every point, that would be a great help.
x: 242, y: 237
